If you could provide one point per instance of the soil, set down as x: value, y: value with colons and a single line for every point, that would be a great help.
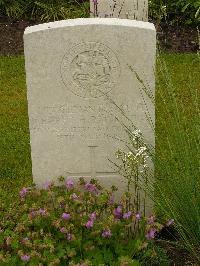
x: 177, y: 256
x: 168, y: 239
x: 171, y: 39
x: 177, y: 38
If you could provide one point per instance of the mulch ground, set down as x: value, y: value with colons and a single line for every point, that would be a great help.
x: 169, y: 239
x: 171, y: 38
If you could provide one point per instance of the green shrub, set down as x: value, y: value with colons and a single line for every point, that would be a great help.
x: 43, y: 10
x: 182, y: 12
x: 70, y: 225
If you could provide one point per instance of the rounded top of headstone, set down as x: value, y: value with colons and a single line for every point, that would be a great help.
x: 90, y: 21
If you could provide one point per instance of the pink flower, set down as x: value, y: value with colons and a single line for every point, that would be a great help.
x: 25, y: 257
x: 23, y: 192
x: 66, y: 216
x: 127, y: 215
x: 118, y: 212
x: 69, y: 237
x: 74, y: 196
x: 69, y: 184
x: 91, y: 187
x: 33, y: 214
x: 151, y: 234
x: 89, y: 224
x: 24, y: 240
x: 138, y: 216
x: 170, y: 222
x: 151, y: 219
x: 111, y: 200
x: 106, y: 233
x: 47, y: 185
x: 93, y: 216
x: 63, y: 230
x: 62, y: 205
x: 42, y: 212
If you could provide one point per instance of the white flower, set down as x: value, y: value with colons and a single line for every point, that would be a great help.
x: 129, y: 154
x: 141, y: 151
x: 137, y: 133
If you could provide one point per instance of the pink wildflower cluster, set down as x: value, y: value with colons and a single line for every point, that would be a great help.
x: 41, y: 211
x: 118, y: 212
x: 74, y: 196
x: 64, y: 230
x: 91, y: 188
x: 106, y: 233
x: 80, y: 213
x: 69, y: 237
x: 66, y: 216
x: 23, y: 192
x: 151, y: 233
x: 111, y: 200
x: 127, y: 215
x: 151, y: 219
x: 69, y: 184
x: 47, y: 185
x: 90, y: 223
x: 25, y: 258
x: 138, y: 216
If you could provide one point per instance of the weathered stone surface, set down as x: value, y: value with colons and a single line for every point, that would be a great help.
x: 130, y: 9
x: 77, y: 70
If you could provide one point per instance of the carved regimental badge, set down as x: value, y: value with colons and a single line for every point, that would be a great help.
x: 90, y: 69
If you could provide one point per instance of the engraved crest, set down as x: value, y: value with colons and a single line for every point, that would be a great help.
x: 90, y: 70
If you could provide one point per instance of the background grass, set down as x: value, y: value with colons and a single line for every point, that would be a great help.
x: 15, y: 161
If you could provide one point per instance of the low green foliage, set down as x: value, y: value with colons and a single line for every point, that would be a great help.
x: 77, y: 225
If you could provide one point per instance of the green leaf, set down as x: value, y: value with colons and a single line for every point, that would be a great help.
x: 185, y: 7
x: 61, y: 253
x: 108, y: 256
x: 135, y: 263
x: 15, y: 244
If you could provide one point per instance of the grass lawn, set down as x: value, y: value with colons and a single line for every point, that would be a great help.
x: 15, y: 161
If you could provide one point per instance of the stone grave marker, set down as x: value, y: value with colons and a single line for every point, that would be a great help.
x: 77, y: 71
x: 130, y: 9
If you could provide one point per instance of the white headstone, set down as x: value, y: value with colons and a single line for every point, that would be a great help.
x: 75, y: 70
x: 130, y: 9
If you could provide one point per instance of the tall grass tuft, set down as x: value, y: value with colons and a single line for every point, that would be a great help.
x: 177, y: 161
x: 175, y: 188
